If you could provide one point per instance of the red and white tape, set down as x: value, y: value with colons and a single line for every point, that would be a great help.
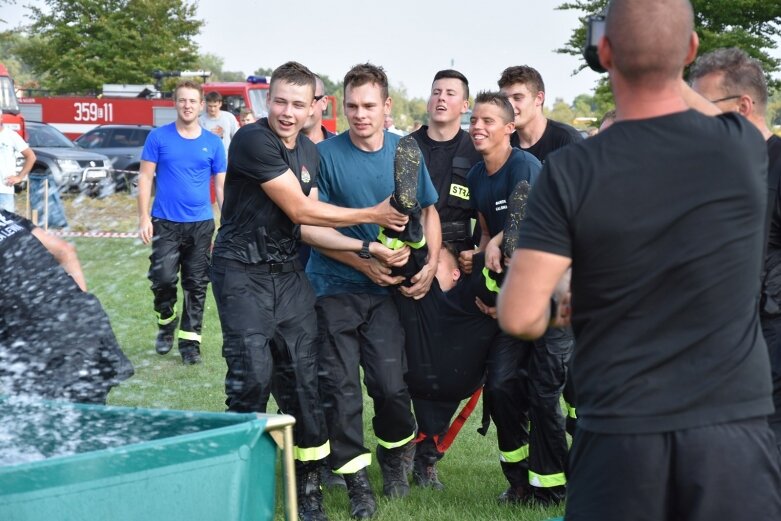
x: 97, y: 234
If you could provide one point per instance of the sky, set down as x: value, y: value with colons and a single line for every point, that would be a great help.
x: 411, y: 39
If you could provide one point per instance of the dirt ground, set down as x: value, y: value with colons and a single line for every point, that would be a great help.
x: 115, y: 213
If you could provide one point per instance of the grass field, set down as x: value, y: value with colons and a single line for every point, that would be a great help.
x: 116, y: 272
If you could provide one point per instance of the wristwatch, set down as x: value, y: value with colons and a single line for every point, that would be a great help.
x: 364, y: 253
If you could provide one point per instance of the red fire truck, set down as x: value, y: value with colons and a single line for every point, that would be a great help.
x: 75, y: 115
x: 12, y: 117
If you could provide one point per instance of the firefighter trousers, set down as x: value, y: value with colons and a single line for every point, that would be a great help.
x: 433, y: 419
x: 269, y: 329
x: 523, y: 387
x: 362, y: 330
x: 181, y: 247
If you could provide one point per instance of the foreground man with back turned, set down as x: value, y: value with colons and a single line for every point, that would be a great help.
x: 665, y: 241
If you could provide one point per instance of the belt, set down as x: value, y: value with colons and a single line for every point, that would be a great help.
x: 455, y: 230
x: 265, y: 267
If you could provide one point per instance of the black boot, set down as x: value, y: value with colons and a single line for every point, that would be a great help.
x: 165, y: 335
x: 517, y: 475
x: 190, y: 351
x: 310, y: 494
x: 425, y: 474
x: 362, y: 502
x: 394, y: 464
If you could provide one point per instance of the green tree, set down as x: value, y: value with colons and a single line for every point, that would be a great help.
x: 77, y: 45
x: 213, y: 63
x: 561, y: 112
x: 752, y: 25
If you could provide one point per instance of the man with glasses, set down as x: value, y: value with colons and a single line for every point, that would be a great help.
x: 313, y: 128
x: 181, y: 158
x: 735, y: 82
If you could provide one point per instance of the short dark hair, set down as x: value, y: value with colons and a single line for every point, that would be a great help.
x: 741, y: 74
x: 188, y: 84
x: 364, y: 73
x: 213, y: 96
x: 454, y: 74
x: 498, y: 99
x: 522, y: 74
x: 293, y: 73
x: 450, y: 249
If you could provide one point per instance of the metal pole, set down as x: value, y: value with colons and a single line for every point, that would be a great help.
x: 27, y: 200
x: 46, y: 203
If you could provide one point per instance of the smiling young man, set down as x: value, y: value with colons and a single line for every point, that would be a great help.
x: 521, y: 381
x: 534, y: 133
x: 181, y: 158
x: 359, y: 324
x: 265, y: 302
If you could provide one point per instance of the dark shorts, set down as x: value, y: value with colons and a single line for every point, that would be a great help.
x: 720, y: 472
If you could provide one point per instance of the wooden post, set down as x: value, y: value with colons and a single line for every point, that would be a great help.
x: 27, y: 200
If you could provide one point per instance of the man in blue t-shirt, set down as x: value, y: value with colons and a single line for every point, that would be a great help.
x: 181, y: 157
x: 358, y: 322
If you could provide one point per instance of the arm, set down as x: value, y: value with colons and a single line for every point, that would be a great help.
x: 465, y: 257
x: 493, y: 253
x: 65, y: 253
x: 219, y: 188
x: 375, y: 270
x: 324, y: 238
x: 421, y: 281
x: 698, y: 102
x: 29, y: 162
x: 524, y: 301
x: 146, y: 174
x: 286, y: 193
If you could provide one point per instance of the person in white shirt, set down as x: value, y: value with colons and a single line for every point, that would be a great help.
x: 11, y: 144
x: 218, y: 121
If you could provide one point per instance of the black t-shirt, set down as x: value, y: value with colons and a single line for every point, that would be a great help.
x: 771, y: 287
x: 556, y: 136
x: 662, y: 219
x: 489, y: 193
x: 448, y: 163
x: 57, y: 333
x: 447, y: 342
x: 253, y: 228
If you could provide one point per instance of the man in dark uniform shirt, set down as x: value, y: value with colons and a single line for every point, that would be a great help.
x: 449, y: 154
x: 534, y: 133
x: 265, y: 302
x: 734, y: 81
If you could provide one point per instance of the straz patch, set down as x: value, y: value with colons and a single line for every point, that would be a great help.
x: 460, y: 191
x: 305, y: 178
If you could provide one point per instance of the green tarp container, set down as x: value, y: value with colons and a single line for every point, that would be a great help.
x: 86, y: 462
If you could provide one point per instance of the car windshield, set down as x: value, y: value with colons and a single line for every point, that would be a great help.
x: 257, y: 98
x: 47, y: 136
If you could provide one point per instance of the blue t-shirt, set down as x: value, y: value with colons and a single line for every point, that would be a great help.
x: 489, y: 193
x: 183, y: 173
x: 352, y: 178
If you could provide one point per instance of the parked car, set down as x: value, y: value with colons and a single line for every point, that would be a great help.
x: 73, y: 168
x: 123, y: 145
